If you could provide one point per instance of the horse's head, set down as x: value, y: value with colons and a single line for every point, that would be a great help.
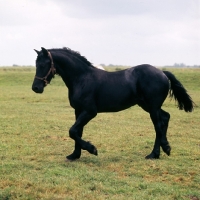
x: 45, y: 70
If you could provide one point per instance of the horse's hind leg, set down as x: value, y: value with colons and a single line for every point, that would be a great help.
x: 158, y: 128
x: 165, y: 116
x: 160, y: 120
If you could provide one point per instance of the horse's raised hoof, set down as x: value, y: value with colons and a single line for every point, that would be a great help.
x: 95, y: 152
x: 152, y: 156
x: 92, y: 149
x: 167, y: 149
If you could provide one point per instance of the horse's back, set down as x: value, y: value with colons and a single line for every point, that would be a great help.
x: 143, y: 84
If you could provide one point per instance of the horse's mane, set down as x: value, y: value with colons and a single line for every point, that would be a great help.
x: 74, y: 53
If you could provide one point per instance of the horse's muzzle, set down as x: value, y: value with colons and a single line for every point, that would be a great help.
x: 37, y: 89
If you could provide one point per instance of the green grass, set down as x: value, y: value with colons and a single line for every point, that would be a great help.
x: 34, y: 143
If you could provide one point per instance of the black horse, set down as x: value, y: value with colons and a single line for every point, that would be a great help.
x: 93, y: 91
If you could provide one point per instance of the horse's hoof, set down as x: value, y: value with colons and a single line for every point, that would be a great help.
x: 95, y: 152
x: 152, y: 156
x: 92, y: 149
x: 72, y: 157
x: 167, y: 149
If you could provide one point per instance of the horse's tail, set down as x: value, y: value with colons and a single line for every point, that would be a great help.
x: 179, y: 93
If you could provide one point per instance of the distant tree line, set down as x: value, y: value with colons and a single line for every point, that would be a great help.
x: 176, y: 65
x: 182, y: 65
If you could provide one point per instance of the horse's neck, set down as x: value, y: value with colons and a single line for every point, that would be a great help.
x: 69, y: 69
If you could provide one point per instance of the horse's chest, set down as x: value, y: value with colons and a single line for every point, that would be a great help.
x: 79, y: 99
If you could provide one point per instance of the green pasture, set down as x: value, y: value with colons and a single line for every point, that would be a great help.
x: 34, y: 142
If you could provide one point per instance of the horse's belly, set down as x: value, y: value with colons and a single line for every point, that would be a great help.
x: 116, y: 108
x: 115, y: 102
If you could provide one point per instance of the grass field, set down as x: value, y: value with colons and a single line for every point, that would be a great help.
x: 34, y: 143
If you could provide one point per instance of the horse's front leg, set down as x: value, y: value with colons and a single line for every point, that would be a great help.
x: 75, y: 132
x: 77, y: 148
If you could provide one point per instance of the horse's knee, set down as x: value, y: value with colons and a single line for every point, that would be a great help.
x: 72, y: 133
x: 75, y: 132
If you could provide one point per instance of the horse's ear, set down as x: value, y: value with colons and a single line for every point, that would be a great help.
x: 44, y: 51
x: 36, y: 51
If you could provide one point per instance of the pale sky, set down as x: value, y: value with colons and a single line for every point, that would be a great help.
x: 119, y: 32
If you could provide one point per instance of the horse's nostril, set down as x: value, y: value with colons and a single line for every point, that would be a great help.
x: 37, y: 89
